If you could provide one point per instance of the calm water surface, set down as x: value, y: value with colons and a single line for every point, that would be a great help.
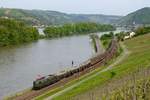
x: 20, y: 65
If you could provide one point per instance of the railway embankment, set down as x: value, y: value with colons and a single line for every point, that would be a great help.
x: 98, y: 47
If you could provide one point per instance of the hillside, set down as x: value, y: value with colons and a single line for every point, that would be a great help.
x: 141, y: 16
x: 97, y: 18
x: 34, y: 17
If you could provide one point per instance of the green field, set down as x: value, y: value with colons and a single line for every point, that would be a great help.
x: 139, y: 48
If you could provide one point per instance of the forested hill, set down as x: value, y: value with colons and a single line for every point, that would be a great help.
x: 14, y: 32
x: 35, y: 17
x: 141, y: 16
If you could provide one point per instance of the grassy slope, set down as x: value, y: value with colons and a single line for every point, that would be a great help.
x: 139, y: 56
x: 137, y: 86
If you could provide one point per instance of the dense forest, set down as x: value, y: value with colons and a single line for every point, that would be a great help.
x: 15, y: 32
x: 76, y: 29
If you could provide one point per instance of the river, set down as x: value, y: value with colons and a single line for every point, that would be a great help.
x: 21, y: 64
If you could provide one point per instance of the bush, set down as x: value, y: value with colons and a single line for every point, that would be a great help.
x: 106, y: 39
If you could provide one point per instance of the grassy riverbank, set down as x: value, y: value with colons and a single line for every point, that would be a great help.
x: 139, y: 48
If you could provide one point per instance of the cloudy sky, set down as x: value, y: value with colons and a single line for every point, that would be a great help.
x: 109, y: 7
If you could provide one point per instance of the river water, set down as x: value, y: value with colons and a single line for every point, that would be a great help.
x: 20, y: 65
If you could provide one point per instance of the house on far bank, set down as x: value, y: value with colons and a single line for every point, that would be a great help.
x: 5, y: 17
x: 130, y: 35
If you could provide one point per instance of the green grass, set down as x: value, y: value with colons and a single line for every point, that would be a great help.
x: 139, y: 56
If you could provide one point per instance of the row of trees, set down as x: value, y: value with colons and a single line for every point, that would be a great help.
x: 76, y: 29
x: 14, y: 32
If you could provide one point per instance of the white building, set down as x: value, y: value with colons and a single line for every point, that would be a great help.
x: 132, y: 34
x: 126, y: 37
x: 129, y: 36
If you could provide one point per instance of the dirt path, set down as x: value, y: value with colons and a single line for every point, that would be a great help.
x: 118, y: 60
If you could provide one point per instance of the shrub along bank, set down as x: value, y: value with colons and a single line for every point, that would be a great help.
x: 106, y: 39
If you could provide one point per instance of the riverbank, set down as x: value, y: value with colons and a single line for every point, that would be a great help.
x: 97, y: 45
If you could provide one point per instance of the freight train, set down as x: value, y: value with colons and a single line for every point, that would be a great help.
x: 99, y: 59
